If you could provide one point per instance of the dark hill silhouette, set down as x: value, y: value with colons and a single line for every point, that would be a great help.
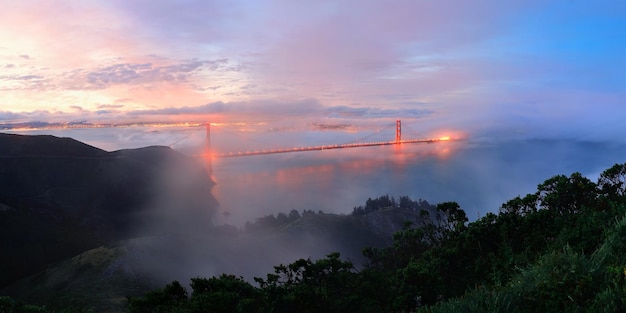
x: 101, y: 278
x: 39, y: 145
x: 59, y: 197
x: 80, y: 222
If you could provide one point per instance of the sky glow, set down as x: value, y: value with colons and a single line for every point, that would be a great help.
x: 523, y: 67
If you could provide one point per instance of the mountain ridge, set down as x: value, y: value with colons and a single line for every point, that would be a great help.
x: 79, y: 220
x: 60, y: 196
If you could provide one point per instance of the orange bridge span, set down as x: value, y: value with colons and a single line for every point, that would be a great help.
x: 398, y: 140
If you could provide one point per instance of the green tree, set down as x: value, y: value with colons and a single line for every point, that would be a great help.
x: 567, y: 194
x: 612, y: 181
x: 226, y: 293
x: 326, y: 285
x: 453, y: 217
x: 172, y: 298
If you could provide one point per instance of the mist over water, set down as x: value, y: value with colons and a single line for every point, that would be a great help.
x: 480, y: 174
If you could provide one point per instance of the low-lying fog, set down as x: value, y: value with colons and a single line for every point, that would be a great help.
x: 478, y: 174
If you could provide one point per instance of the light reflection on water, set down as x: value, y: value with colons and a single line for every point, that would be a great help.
x: 332, y: 181
x: 478, y: 175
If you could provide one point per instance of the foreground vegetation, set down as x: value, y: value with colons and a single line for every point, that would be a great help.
x: 560, y: 249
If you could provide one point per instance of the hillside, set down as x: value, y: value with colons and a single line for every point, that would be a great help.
x: 59, y: 197
x: 560, y: 249
x: 83, y: 226
x: 101, y: 278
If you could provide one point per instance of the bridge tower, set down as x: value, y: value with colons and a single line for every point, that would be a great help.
x: 398, y: 131
x: 207, y: 149
x: 208, y: 137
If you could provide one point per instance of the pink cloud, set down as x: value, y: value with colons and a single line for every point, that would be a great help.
x: 461, y: 61
x: 355, y: 40
x: 64, y: 33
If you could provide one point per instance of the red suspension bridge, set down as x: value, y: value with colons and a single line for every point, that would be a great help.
x: 398, y: 140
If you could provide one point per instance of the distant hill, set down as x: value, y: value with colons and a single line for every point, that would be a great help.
x: 59, y: 197
x: 80, y: 225
x: 101, y: 278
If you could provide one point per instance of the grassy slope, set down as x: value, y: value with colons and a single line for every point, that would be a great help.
x: 101, y: 278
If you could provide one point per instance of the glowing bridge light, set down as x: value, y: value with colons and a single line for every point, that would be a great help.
x: 398, y: 140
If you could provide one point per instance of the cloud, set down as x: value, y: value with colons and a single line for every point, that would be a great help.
x: 331, y: 127
x: 21, y: 77
x: 110, y: 106
x: 199, y: 21
x: 7, y: 117
x: 22, y: 82
x: 77, y: 113
x: 318, y: 43
x: 472, y: 64
x: 139, y: 73
x: 106, y: 112
x: 292, y: 112
x: 527, y: 117
x: 258, y: 109
x: 281, y: 110
x: 372, y: 112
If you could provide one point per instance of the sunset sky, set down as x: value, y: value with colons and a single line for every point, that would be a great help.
x: 526, y: 67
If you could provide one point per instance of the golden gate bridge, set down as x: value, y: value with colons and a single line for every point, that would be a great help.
x: 398, y: 141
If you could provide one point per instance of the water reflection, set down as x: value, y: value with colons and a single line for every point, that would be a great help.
x: 333, y: 181
x: 480, y: 176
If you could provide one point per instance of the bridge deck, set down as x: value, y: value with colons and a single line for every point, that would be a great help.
x: 325, y: 147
